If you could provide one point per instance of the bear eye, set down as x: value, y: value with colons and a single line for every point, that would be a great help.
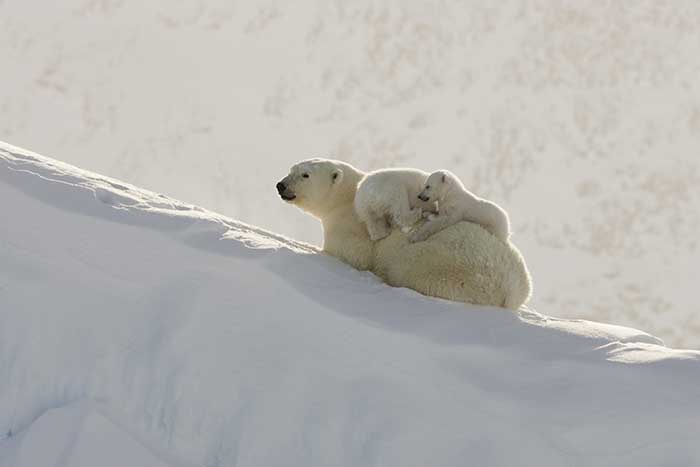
x: 427, y: 187
x: 305, y: 175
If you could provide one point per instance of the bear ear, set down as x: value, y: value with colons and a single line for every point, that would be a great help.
x: 337, y: 176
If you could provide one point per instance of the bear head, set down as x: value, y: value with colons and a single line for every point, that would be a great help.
x: 318, y: 185
x: 438, y: 185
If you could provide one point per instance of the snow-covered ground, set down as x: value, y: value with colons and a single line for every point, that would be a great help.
x: 139, y: 330
x: 582, y: 118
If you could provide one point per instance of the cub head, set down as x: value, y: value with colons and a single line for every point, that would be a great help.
x: 317, y: 185
x: 438, y: 185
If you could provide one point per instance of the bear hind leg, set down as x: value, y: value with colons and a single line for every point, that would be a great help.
x: 404, y: 216
x: 377, y: 228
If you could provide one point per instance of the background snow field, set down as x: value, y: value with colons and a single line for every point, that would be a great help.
x: 581, y: 118
x: 138, y: 330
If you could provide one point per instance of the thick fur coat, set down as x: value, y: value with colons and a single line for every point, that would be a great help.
x: 462, y: 262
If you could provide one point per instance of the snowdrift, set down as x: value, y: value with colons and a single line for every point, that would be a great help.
x: 139, y: 330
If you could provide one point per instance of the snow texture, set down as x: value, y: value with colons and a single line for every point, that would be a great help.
x: 75, y: 435
x: 140, y: 329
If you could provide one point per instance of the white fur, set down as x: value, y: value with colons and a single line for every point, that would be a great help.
x: 389, y: 197
x: 459, y: 204
x: 462, y: 262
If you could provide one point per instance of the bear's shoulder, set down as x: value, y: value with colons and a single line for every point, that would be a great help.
x: 346, y: 238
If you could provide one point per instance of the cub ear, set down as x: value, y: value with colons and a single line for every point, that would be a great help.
x: 337, y: 176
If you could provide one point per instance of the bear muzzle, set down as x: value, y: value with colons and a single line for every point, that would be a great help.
x: 284, y: 193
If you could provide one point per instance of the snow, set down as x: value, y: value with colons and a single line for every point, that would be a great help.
x: 139, y: 330
x: 76, y: 435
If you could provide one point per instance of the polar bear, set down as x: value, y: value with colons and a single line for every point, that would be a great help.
x: 459, y: 204
x: 462, y: 262
x: 389, y: 197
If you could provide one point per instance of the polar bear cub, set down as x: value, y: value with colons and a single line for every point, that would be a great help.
x: 459, y: 204
x: 389, y: 197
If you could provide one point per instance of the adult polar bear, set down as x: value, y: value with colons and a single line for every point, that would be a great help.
x: 462, y: 262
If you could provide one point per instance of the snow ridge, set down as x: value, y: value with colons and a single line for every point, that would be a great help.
x: 186, y: 337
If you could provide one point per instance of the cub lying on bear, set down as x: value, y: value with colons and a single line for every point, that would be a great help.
x: 463, y: 262
x: 459, y: 204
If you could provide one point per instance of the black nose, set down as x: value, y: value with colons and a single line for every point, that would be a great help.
x: 424, y: 198
x: 281, y: 187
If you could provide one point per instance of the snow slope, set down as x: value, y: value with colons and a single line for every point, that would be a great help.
x: 138, y: 330
x: 76, y: 435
